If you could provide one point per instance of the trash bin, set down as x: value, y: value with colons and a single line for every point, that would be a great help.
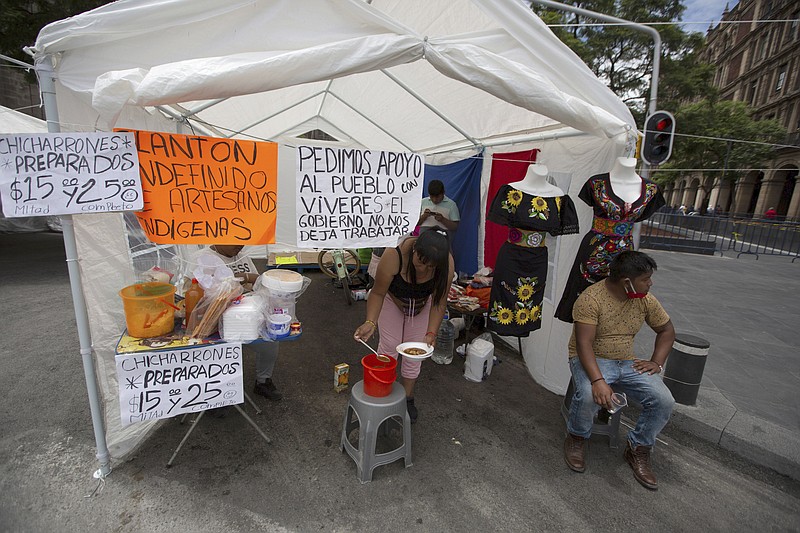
x: 685, y: 365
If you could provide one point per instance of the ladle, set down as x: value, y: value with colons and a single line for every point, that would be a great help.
x: 382, y: 358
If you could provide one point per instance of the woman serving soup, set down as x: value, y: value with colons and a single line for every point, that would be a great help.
x: 408, y: 301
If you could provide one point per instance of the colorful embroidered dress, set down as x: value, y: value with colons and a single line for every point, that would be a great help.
x: 610, y: 234
x: 515, y: 305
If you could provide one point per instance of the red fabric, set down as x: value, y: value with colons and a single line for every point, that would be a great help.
x: 506, y: 168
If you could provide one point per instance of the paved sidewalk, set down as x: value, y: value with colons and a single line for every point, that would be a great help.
x: 749, y: 311
x: 487, y: 456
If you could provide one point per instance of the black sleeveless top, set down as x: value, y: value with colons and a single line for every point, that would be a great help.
x: 413, y: 297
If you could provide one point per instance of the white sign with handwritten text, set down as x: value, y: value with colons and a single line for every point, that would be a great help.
x: 154, y: 385
x: 356, y: 198
x: 69, y: 173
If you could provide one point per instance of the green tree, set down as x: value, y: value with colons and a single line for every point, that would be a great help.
x: 21, y: 20
x: 623, y: 57
x: 701, y: 141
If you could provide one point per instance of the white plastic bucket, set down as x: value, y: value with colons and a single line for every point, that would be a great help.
x: 283, y: 286
x: 278, y: 325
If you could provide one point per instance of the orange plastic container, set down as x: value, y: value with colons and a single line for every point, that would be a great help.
x: 378, y: 375
x: 149, y: 309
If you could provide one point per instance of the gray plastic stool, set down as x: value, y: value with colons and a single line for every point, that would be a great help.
x: 372, y: 413
x: 598, y: 428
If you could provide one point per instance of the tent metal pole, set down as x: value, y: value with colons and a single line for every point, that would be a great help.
x: 283, y: 132
x: 506, y: 142
x: 259, y: 121
x: 47, y: 84
x: 430, y: 106
x: 16, y: 61
x: 652, y: 32
x: 212, y: 103
x: 181, y: 119
x: 365, y: 117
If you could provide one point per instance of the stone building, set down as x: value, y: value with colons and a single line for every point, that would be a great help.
x: 756, y: 51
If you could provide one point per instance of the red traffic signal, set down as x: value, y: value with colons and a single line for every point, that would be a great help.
x: 658, y: 135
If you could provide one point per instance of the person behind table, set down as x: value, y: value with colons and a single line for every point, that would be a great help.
x: 266, y: 353
x: 607, y: 317
x: 443, y: 211
x: 408, y: 301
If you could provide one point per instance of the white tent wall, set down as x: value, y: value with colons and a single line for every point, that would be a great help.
x: 105, y: 267
x: 421, y: 75
x: 545, y: 350
x: 15, y: 122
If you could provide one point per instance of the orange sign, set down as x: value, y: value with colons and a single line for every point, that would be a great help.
x: 207, y: 190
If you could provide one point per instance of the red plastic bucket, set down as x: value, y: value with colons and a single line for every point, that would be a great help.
x: 378, y: 375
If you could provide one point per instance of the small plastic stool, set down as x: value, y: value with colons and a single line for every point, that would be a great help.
x: 372, y: 413
x: 598, y: 428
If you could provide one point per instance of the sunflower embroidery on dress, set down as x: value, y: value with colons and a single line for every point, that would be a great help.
x: 500, y: 314
x: 539, y: 208
x: 523, y: 310
x: 512, y: 201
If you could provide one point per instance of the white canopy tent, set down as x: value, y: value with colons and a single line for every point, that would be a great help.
x: 445, y: 78
x: 15, y: 122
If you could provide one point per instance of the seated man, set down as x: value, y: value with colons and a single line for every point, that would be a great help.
x: 266, y: 352
x: 438, y: 211
x: 607, y: 317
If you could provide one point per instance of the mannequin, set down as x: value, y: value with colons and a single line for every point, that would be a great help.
x: 535, y: 182
x: 626, y: 182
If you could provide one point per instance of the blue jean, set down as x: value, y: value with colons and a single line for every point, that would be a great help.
x: 649, y: 391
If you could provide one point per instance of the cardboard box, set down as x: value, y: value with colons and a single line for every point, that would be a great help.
x: 341, y: 377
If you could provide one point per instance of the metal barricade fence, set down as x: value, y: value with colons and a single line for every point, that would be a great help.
x: 756, y: 237
x: 682, y: 233
x: 709, y: 234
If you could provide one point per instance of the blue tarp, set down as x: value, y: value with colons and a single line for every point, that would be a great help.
x: 462, y: 184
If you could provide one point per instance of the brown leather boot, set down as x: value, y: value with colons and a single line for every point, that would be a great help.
x: 639, y: 459
x: 575, y: 452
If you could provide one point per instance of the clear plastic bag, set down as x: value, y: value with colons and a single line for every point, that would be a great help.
x: 209, y: 309
x: 280, y: 301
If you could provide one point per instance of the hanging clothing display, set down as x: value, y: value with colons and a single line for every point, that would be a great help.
x: 515, y: 305
x: 611, y: 233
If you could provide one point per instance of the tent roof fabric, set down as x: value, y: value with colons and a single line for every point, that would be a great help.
x: 415, y: 75
x: 15, y: 122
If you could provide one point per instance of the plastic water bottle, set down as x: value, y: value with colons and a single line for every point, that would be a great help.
x: 443, y: 353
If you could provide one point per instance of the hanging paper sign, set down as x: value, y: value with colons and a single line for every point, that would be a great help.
x: 43, y: 174
x: 200, y: 190
x: 356, y: 198
x: 155, y: 385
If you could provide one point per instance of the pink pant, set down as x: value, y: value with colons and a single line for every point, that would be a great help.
x: 396, y: 328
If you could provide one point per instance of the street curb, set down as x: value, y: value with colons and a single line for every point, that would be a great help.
x: 760, y: 441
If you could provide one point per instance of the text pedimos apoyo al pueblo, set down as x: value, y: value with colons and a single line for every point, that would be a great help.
x: 354, y: 194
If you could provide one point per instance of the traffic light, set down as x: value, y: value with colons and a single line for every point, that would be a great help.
x: 658, y: 133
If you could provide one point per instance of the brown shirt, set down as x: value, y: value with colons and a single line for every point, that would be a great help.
x: 617, y: 321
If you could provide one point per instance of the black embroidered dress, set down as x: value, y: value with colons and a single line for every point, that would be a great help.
x: 612, y: 226
x: 515, y: 306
